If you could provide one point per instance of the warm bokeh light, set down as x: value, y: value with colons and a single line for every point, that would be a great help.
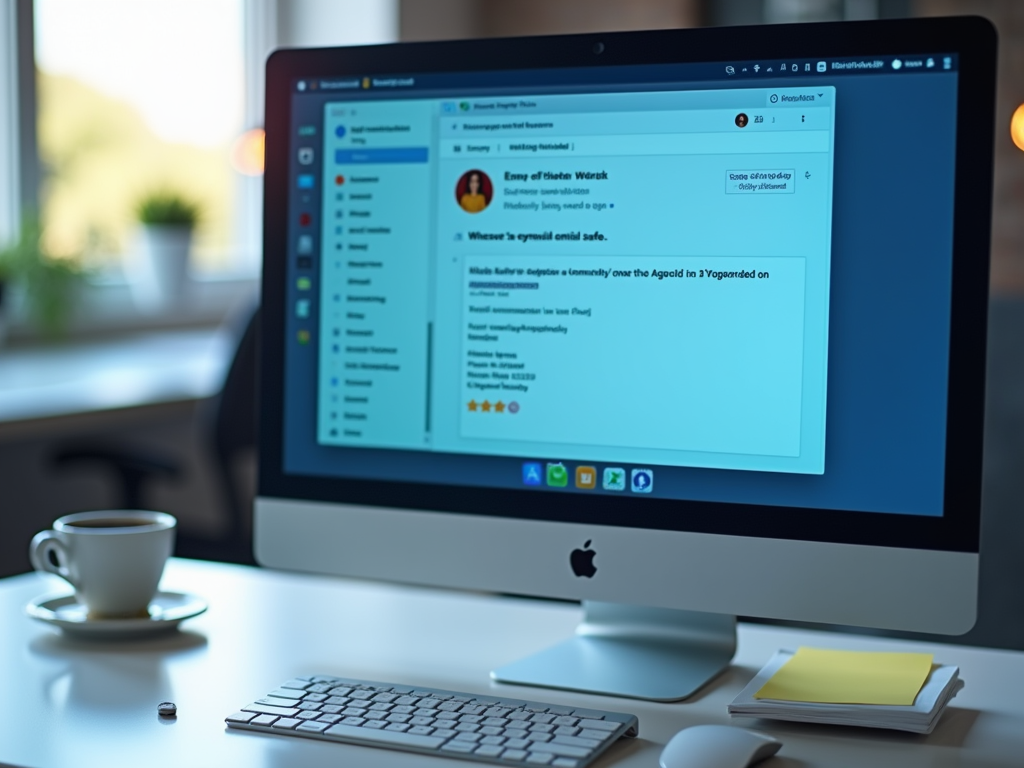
x: 247, y: 153
x: 1017, y: 127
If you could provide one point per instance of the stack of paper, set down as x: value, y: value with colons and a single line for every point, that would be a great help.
x: 901, y: 691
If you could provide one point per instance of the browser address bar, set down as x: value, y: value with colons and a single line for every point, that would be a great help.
x: 640, y: 144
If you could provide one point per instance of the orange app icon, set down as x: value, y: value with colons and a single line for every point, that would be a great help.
x: 586, y: 477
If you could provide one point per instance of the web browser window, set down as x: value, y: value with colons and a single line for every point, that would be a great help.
x: 615, y: 277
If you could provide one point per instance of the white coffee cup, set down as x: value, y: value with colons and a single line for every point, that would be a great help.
x: 113, y: 558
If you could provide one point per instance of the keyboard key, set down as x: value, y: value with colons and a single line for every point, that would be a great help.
x: 421, y: 730
x: 501, y: 722
x: 444, y: 733
x: 566, y: 750
x: 407, y: 701
x: 297, y: 684
x: 404, y: 689
x: 311, y: 727
x: 274, y: 701
x: 338, y: 700
x: 286, y: 723
x: 240, y: 717
x: 288, y: 693
x: 361, y: 695
x: 386, y: 698
x: 315, y: 697
x: 517, y: 743
x: 576, y: 741
x: 329, y: 719
x: 491, y: 730
x: 565, y: 762
x: 514, y: 754
x: 467, y: 727
x: 384, y: 737
x: 263, y: 709
x: 566, y: 720
x: 488, y: 751
x: 538, y: 728
x: 538, y: 737
x: 597, y: 735
x: 565, y: 730
x: 589, y: 714
x: 472, y: 709
x: 458, y: 746
x: 421, y: 721
x: 520, y: 714
x: 309, y: 706
x: 398, y: 718
x: 331, y: 709
x: 473, y: 737
x: 539, y: 758
x: 598, y: 725
x: 341, y: 691
x: 555, y: 710
x: 380, y: 706
x: 475, y: 719
x: 431, y: 703
x: 376, y: 724
x: 399, y: 727
x: 354, y: 721
x: 515, y: 733
x: 492, y: 740
x: 321, y: 688
x: 308, y: 715
x: 402, y: 709
x: 353, y: 712
x: 265, y: 720
x: 542, y: 719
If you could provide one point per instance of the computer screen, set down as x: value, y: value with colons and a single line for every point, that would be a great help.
x: 652, y: 288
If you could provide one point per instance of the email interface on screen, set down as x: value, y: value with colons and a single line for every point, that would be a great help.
x: 689, y: 290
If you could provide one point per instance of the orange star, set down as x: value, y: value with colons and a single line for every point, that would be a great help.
x: 472, y: 405
x: 499, y: 406
x: 485, y: 406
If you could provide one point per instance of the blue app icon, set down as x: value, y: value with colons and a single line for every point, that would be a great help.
x: 306, y: 181
x: 532, y: 473
x: 340, y: 131
x: 642, y: 481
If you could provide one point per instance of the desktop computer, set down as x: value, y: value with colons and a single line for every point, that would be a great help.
x: 684, y: 325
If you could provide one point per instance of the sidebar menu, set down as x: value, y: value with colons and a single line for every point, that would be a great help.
x: 375, y: 255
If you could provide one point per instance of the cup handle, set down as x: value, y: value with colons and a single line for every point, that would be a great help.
x: 45, y: 545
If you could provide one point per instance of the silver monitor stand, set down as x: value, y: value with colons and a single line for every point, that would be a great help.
x: 657, y: 654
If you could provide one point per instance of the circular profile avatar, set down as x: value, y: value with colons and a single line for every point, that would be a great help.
x: 741, y: 120
x: 474, y: 191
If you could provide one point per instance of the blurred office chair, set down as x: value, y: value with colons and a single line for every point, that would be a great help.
x: 228, y: 429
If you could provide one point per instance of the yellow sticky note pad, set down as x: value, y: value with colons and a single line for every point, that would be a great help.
x: 849, y: 677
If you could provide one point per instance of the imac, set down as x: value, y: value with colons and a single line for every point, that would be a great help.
x: 686, y: 325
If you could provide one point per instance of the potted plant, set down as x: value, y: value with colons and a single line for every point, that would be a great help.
x: 49, y: 283
x: 159, y: 266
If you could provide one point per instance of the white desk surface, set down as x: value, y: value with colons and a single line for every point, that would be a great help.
x: 68, y: 704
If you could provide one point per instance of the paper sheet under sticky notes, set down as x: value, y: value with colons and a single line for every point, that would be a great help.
x: 849, y: 677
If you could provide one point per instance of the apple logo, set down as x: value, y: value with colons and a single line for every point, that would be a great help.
x: 582, y: 561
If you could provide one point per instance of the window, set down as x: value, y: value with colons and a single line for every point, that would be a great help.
x: 136, y: 97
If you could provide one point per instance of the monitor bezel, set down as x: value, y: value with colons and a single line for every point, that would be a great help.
x: 972, y: 39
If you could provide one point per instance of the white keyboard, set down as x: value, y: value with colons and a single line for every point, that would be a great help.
x: 432, y: 721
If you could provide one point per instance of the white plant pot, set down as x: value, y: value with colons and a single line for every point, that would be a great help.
x: 158, y: 266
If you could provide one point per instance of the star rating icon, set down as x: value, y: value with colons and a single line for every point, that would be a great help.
x: 485, y: 406
x: 499, y: 407
x: 471, y: 405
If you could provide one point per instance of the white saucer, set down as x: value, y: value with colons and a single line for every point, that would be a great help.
x: 166, y: 612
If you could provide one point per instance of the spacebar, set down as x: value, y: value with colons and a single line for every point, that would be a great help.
x: 397, y: 738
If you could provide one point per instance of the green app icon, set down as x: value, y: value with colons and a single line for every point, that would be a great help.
x: 558, y: 476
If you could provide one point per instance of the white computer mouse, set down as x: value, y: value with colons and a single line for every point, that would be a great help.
x: 717, y: 746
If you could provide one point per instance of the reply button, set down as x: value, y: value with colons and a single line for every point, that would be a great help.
x: 765, y: 182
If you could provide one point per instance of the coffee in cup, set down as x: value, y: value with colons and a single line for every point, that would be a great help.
x: 114, y: 559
